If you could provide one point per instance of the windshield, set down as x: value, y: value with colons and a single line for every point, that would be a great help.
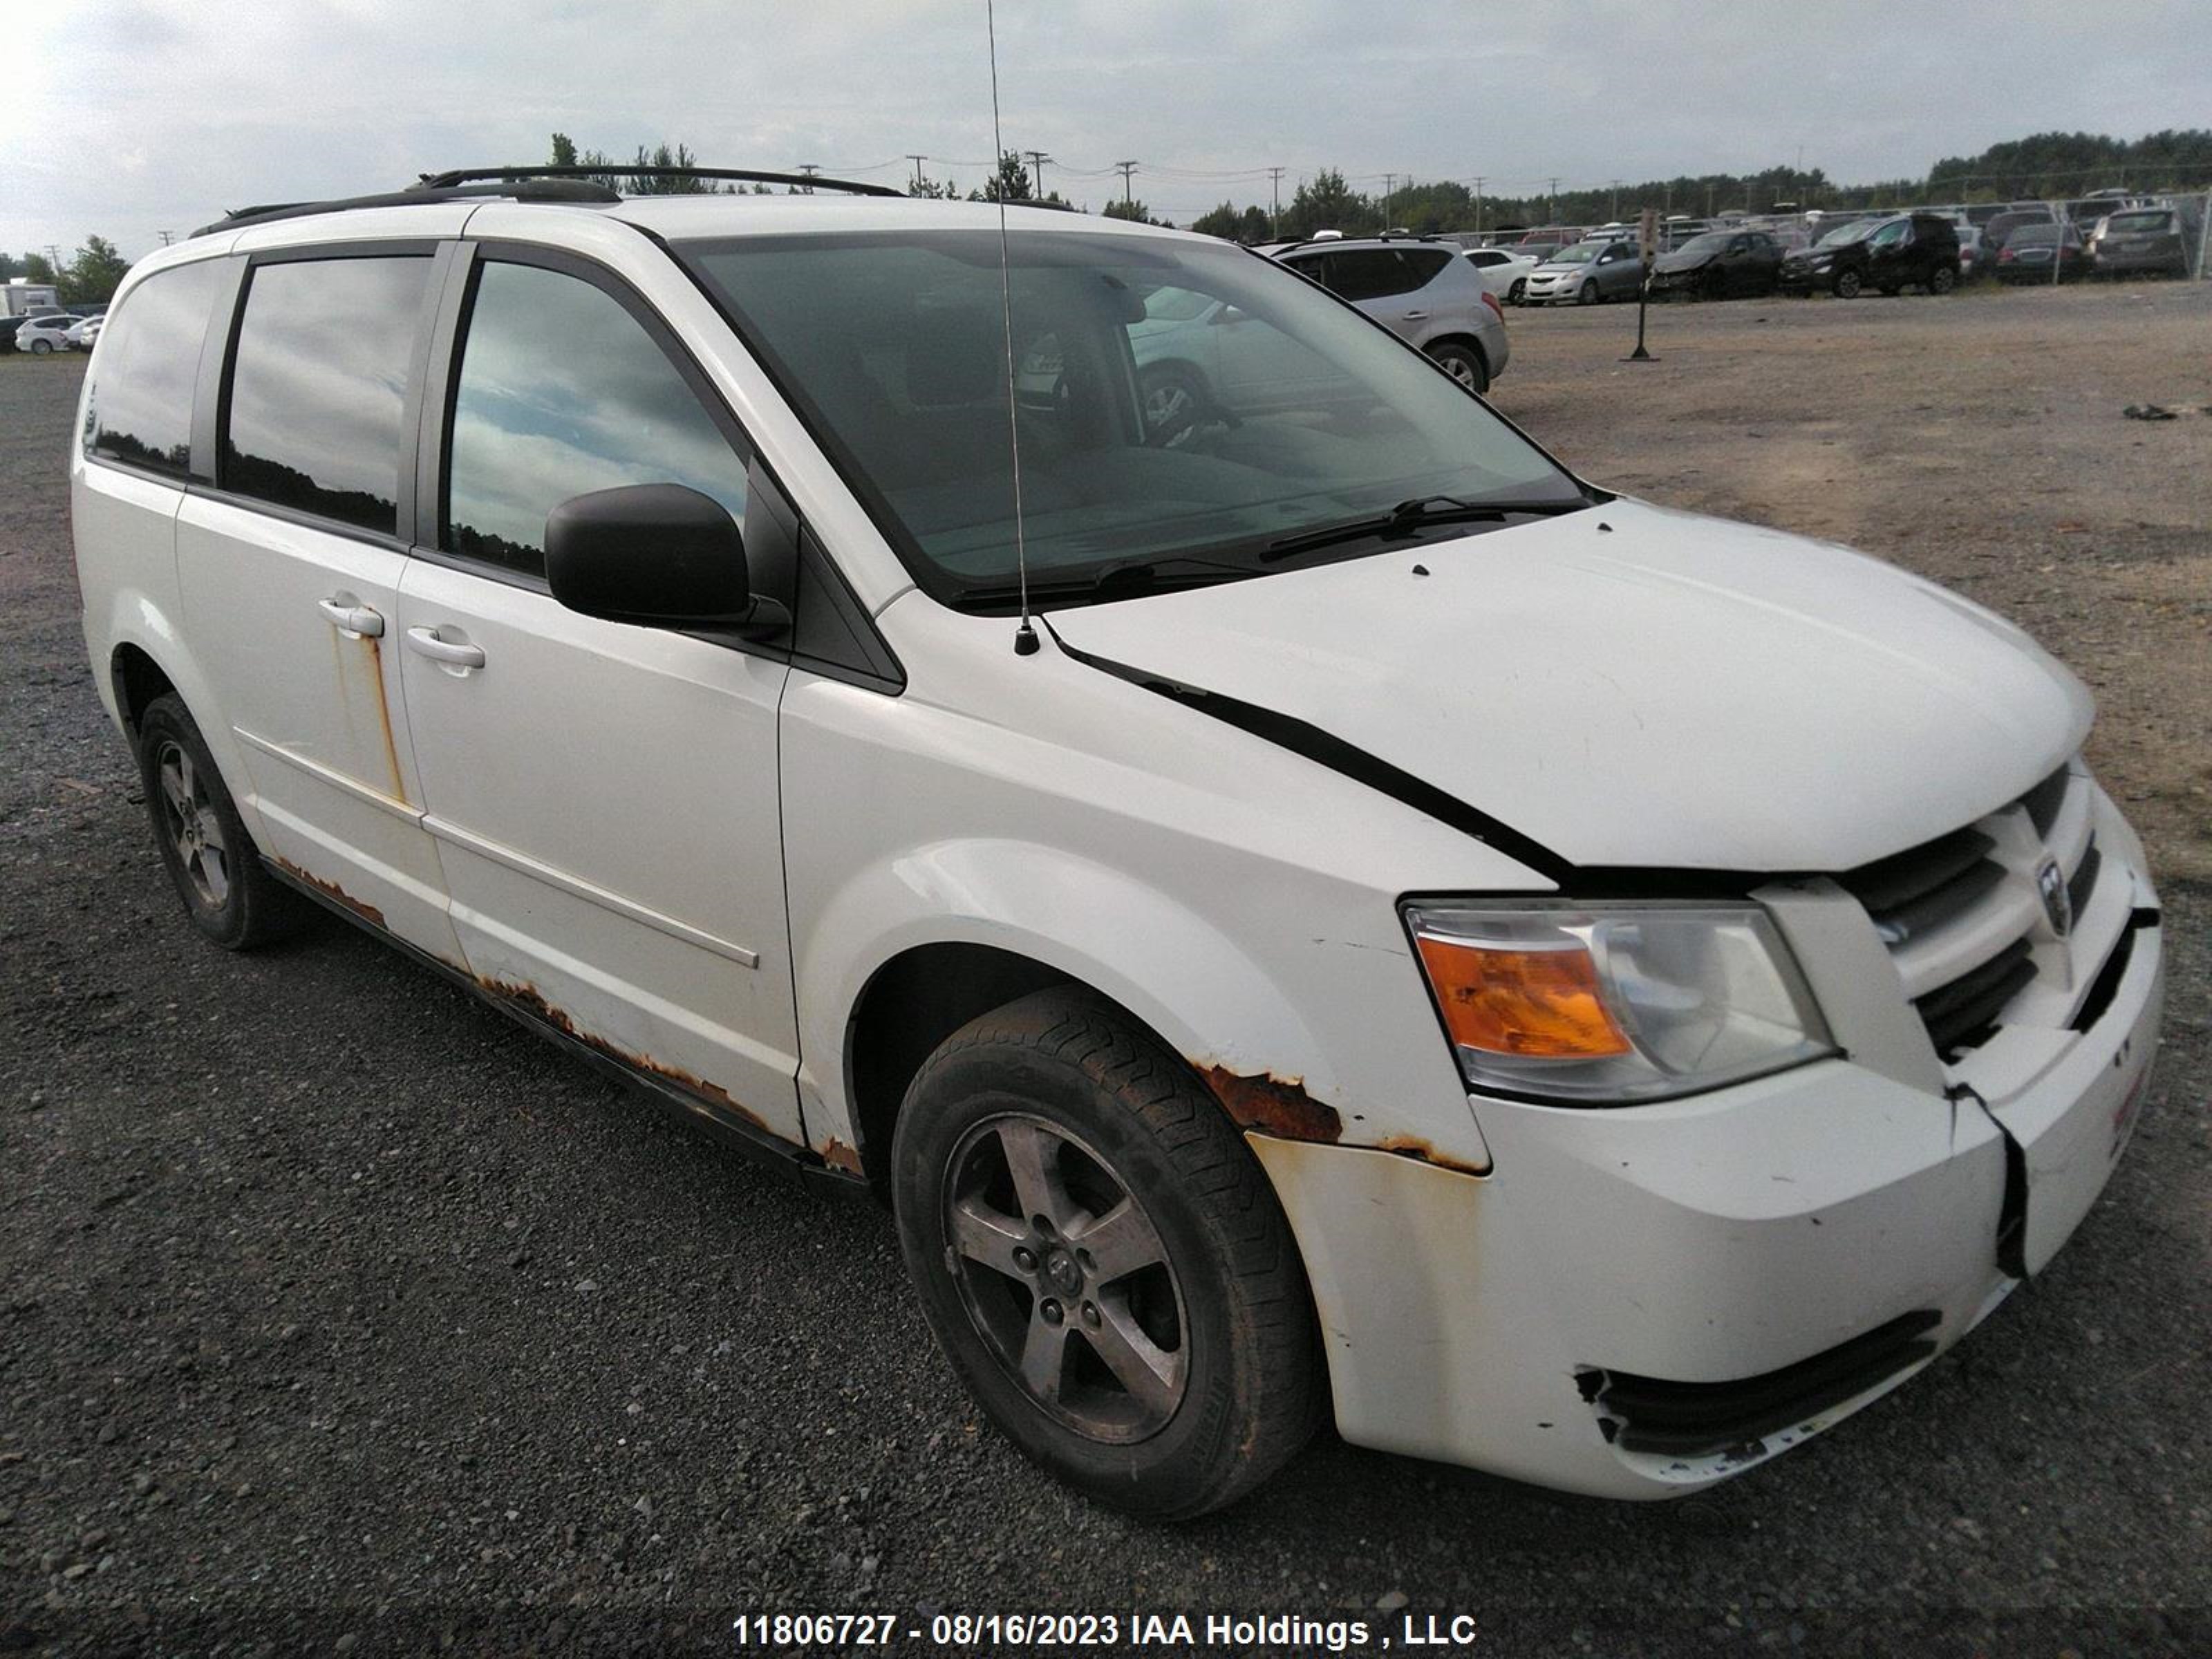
x: 1713, y: 242
x: 1580, y: 254
x: 1179, y: 401
x: 1857, y: 231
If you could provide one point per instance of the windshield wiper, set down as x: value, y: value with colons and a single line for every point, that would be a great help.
x: 1410, y: 517
x: 1124, y: 580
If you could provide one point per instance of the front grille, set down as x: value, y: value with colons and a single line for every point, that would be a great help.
x: 1702, y: 1419
x: 1962, y: 915
x: 1960, y: 1014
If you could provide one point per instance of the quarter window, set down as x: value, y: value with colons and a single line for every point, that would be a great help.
x: 562, y: 392
x: 319, y: 383
x: 140, y: 408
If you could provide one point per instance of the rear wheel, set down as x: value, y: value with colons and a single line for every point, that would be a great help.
x: 1942, y: 280
x: 1846, y: 285
x: 1101, y: 1259
x: 1463, y: 363
x: 41, y: 348
x: 226, y: 892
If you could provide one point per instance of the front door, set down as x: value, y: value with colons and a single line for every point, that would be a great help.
x: 604, y: 796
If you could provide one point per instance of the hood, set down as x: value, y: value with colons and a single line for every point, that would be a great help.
x: 1668, y: 264
x: 1673, y: 692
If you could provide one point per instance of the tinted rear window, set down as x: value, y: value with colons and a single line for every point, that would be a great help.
x: 319, y: 383
x: 140, y: 408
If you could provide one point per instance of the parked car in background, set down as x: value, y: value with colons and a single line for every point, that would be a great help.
x: 1585, y: 274
x: 40, y: 336
x: 2029, y: 254
x: 1423, y: 291
x: 81, y: 334
x: 8, y: 327
x: 2145, y: 241
x: 1504, y: 271
x: 1970, y: 257
x: 1911, y: 250
x: 1719, y: 264
x: 1998, y: 231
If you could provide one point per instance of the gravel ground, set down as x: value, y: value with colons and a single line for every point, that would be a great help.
x: 339, y: 1314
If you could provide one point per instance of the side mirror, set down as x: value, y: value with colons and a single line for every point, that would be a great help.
x: 661, y: 555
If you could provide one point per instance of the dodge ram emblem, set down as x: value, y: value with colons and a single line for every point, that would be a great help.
x: 2058, y: 902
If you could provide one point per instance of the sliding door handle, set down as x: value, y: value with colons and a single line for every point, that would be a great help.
x: 357, y: 620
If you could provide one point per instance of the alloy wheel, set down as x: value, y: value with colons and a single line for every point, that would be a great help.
x: 195, y: 828
x: 1066, y: 1278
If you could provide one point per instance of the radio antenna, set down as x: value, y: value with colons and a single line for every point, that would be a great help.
x: 1025, y: 639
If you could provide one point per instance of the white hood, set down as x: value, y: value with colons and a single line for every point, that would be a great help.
x: 1672, y: 691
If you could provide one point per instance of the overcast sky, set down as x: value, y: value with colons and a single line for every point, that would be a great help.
x: 127, y: 117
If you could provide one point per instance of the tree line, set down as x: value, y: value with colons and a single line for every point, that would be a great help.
x: 88, y: 278
x: 2042, y: 167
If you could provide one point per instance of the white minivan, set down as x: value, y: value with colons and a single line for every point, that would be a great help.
x: 1303, y: 907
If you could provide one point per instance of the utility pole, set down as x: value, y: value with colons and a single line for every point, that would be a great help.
x: 1126, y: 169
x: 1477, y: 202
x: 1552, y: 203
x: 1615, y: 214
x: 166, y: 239
x: 1389, y: 190
x: 1275, y: 222
x: 1037, y: 159
x: 810, y: 168
x: 917, y: 161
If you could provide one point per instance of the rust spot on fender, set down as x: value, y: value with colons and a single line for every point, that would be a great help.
x: 1413, y: 1147
x: 532, y: 1001
x: 1272, y: 1105
x: 838, y: 1156
x: 336, y: 894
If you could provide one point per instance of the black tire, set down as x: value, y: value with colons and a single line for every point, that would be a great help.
x: 1111, y: 1117
x: 1513, y: 293
x: 1463, y: 363
x: 1846, y: 285
x: 1589, y: 294
x: 1942, y: 280
x: 212, y: 862
x: 42, y: 347
x: 1712, y: 286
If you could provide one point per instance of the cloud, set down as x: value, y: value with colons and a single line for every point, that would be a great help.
x: 231, y: 104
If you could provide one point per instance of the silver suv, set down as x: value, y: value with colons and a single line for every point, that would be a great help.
x: 1421, y: 291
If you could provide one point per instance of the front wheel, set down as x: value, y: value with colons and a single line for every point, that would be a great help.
x: 1172, y: 403
x: 1463, y: 363
x: 1589, y: 295
x: 1846, y: 285
x: 1101, y: 1259
x: 1513, y: 293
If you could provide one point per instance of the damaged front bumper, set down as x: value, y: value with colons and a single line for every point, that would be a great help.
x: 1639, y: 1302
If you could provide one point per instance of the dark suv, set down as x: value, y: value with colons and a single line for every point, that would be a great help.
x: 1888, y: 254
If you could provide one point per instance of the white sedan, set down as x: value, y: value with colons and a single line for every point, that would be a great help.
x: 81, y: 334
x: 43, y: 335
x: 1504, y: 270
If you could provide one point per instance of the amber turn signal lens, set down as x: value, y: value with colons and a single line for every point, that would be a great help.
x: 1537, y: 1004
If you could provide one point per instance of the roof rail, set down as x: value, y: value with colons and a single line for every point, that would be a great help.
x: 799, y: 180
x: 548, y: 190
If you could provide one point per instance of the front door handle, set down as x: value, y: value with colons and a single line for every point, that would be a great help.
x: 426, y: 641
x: 357, y: 620
x: 1417, y: 316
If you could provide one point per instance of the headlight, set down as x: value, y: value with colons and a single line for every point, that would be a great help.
x: 1821, y: 259
x: 1606, y: 1005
